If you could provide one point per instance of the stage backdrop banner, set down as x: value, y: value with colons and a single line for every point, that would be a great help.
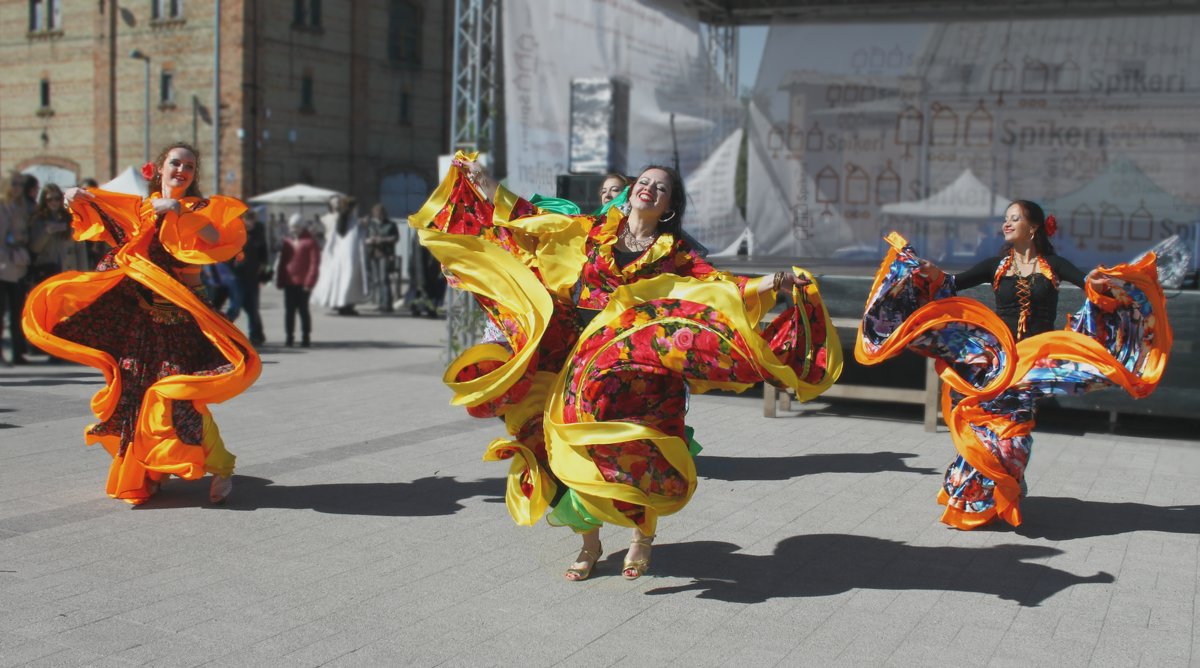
x: 676, y: 104
x: 931, y: 128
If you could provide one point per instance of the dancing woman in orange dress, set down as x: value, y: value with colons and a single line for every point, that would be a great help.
x: 142, y: 319
x: 997, y: 365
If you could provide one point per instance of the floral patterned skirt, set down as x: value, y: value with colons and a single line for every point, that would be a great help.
x: 595, y: 410
x: 150, y: 338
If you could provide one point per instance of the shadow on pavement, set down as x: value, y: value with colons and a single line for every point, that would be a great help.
x: 435, y: 495
x: 784, y: 468
x: 352, y: 345
x: 830, y: 564
x: 1065, y: 518
x: 49, y: 377
x: 53, y: 372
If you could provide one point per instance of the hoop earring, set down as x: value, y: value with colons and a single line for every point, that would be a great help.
x: 668, y: 219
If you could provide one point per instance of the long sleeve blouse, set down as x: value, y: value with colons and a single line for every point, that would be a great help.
x: 1043, y: 286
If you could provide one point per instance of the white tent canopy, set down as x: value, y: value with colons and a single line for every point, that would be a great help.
x: 129, y: 182
x: 308, y: 201
x: 299, y: 193
x: 966, y: 198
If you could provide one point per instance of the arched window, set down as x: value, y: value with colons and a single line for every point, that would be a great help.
x: 402, y: 193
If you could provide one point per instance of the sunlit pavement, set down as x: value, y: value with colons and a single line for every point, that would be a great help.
x: 364, y: 529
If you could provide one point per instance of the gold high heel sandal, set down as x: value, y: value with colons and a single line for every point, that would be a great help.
x: 219, y: 489
x: 581, y: 574
x: 636, y: 568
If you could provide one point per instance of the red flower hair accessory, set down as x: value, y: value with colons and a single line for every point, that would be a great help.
x: 148, y: 171
x: 1051, y: 225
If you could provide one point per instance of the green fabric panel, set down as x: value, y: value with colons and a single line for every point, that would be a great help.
x: 555, y: 204
x: 570, y: 513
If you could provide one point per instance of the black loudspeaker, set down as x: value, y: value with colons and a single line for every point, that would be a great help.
x: 582, y: 189
x: 599, y: 126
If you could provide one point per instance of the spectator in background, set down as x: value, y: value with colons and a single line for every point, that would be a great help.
x: 426, y: 283
x: 299, y: 268
x: 31, y: 195
x: 343, y: 281
x: 221, y: 286
x: 251, y: 270
x: 614, y: 184
x: 54, y: 251
x: 14, y: 263
x: 95, y: 249
x: 382, y: 235
x: 279, y: 230
x: 317, y: 229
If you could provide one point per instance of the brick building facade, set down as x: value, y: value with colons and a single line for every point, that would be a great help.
x: 349, y: 95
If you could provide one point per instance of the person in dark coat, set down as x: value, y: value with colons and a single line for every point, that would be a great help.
x: 250, y: 271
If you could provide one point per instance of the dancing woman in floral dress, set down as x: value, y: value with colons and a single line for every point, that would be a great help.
x: 599, y: 327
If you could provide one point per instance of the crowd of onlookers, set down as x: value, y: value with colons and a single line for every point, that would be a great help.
x: 35, y: 243
x: 339, y: 260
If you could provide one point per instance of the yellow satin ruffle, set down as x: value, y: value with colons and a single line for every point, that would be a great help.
x: 529, y: 489
x: 489, y: 271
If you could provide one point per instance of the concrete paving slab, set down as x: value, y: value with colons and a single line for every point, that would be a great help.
x: 364, y: 529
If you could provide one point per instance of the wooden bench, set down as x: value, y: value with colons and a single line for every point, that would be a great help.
x: 930, y: 396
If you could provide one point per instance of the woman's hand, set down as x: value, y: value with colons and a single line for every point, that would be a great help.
x: 162, y: 205
x: 478, y: 176
x: 71, y: 194
x: 783, y: 281
x: 791, y: 280
x: 1099, y: 282
x: 930, y: 271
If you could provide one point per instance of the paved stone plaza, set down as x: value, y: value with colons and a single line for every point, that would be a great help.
x: 364, y: 529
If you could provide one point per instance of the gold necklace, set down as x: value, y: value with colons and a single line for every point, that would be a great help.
x: 1022, y: 268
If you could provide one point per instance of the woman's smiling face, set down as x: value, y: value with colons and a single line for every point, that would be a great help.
x: 178, y: 171
x: 652, y: 192
x: 1016, y: 226
x: 611, y: 188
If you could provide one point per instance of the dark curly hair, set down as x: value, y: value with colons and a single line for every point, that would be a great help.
x: 678, y: 202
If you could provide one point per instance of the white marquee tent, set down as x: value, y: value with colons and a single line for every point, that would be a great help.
x: 128, y: 182
x: 966, y: 198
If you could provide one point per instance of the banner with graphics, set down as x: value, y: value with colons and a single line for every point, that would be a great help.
x: 678, y: 110
x: 932, y: 128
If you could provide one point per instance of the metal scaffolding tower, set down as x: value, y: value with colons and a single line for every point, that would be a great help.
x: 722, y: 51
x: 476, y: 84
x: 472, y: 128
